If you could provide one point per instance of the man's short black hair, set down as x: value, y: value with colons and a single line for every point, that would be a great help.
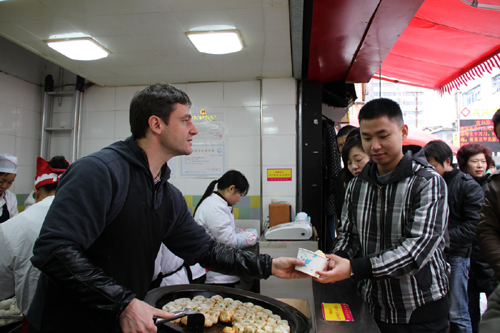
x: 439, y: 150
x: 496, y: 121
x: 345, y: 130
x: 156, y: 100
x: 381, y: 107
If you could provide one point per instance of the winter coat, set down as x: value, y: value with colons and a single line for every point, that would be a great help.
x: 488, y: 229
x: 465, y: 198
x: 393, y: 233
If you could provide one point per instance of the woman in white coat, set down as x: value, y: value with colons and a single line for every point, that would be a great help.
x: 215, y: 213
x: 8, y: 173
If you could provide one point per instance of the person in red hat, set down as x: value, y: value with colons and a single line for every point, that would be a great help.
x: 17, y: 235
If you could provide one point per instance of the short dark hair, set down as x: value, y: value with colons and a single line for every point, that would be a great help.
x: 381, y: 107
x: 496, y: 121
x: 439, y: 150
x: 156, y: 100
x: 471, y: 149
x: 345, y: 130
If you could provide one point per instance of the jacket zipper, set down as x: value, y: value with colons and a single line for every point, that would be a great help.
x: 382, y: 217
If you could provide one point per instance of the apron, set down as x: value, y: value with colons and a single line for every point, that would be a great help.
x: 5, y: 214
x: 126, y: 250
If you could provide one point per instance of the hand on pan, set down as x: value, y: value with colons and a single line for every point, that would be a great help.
x: 336, y: 269
x: 285, y: 268
x: 138, y: 317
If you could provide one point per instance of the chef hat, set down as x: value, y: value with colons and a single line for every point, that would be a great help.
x: 8, y: 163
x: 45, y: 174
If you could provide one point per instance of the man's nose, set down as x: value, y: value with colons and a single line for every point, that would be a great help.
x: 193, y: 130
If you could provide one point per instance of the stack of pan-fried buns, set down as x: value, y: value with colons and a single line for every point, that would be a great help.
x: 243, y: 317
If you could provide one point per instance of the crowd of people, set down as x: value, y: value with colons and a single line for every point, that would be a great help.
x: 419, y: 233
x: 416, y: 230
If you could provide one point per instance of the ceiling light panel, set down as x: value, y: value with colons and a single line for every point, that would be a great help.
x: 216, y: 42
x: 83, y: 49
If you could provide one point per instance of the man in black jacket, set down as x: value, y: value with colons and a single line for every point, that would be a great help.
x: 465, y: 198
x: 113, y: 209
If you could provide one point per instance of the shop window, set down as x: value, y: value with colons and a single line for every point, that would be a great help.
x: 496, y: 83
x: 472, y: 96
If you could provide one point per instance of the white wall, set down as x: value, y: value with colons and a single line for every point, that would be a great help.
x: 20, y: 127
x: 279, y: 140
x: 105, y: 120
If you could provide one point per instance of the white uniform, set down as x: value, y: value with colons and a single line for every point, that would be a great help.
x: 167, y: 262
x: 17, y: 237
x: 216, y: 216
x: 9, y: 199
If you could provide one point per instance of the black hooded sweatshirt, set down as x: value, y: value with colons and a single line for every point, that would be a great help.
x: 98, y: 243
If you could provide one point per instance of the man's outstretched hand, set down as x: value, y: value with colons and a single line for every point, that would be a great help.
x: 285, y: 268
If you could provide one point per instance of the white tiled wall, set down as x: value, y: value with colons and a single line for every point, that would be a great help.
x: 279, y: 140
x: 20, y: 127
x: 105, y: 120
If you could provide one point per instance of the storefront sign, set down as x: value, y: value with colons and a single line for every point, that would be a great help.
x: 478, y: 131
x: 279, y: 175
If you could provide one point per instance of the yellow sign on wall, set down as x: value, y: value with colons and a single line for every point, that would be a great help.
x: 277, y: 175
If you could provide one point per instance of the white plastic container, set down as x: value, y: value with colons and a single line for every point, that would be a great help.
x: 301, y: 216
x: 314, y: 262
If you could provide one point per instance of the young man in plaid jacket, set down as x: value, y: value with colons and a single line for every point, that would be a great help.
x: 391, y: 234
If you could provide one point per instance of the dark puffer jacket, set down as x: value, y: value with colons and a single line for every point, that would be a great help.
x: 465, y: 198
x: 482, y: 277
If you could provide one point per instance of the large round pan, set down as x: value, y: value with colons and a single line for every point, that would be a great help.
x: 296, y: 319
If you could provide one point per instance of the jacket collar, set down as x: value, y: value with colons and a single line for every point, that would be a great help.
x: 482, y: 180
x: 222, y: 197
x: 449, y: 175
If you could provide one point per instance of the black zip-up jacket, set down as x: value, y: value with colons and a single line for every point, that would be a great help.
x: 465, y: 198
x: 90, y: 197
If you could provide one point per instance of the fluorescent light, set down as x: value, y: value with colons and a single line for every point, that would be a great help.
x: 216, y: 42
x: 78, y: 48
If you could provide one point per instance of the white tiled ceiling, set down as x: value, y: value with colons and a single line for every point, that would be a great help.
x: 147, y: 37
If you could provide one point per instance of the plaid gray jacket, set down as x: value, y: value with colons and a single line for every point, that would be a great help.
x: 394, y: 235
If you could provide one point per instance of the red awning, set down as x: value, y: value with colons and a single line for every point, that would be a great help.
x: 445, y: 40
x: 421, y: 138
x: 437, y: 44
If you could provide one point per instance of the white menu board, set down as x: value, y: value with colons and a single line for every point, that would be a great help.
x: 204, y: 161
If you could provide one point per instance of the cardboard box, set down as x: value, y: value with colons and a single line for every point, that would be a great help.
x: 299, y: 304
x: 279, y: 213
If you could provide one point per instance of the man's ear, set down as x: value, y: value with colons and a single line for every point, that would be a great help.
x: 404, y: 130
x: 155, y: 124
x: 36, y: 195
x: 447, y: 162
